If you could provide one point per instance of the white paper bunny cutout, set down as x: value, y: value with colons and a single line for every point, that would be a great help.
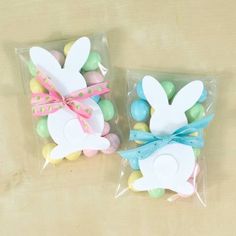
x: 171, y: 166
x: 63, y: 125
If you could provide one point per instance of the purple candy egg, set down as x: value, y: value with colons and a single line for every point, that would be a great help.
x: 114, y: 143
x: 93, y: 77
x: 59, y: 56
x: 106, y: 129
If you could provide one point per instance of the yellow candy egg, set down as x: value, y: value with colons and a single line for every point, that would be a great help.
x: 73, y: 156
x: 46, y: 153
x: 36, y: 87
x: 152, y: 111
x: 67, y: 47
x: 142, y: 127
x: 134, y: 176
x: 195, y: 134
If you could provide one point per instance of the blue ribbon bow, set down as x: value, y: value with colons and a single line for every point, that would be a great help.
x: 154, y: 142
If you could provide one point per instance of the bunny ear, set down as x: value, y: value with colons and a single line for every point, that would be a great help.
x: 154, y: 92
x: 44, y: 60
x: 188, y: 95
x: 77, y: 54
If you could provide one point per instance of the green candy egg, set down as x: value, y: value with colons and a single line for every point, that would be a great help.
x: 195, y: 113
x: 107, y: 109
x: 156, y: 193
x: 92, y: 62
x: 42, y: 128
x: 32, y: 68
x: 169, y: 88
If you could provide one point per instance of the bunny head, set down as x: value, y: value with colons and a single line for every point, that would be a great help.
x: 169, y: 117
x: 67, y: 79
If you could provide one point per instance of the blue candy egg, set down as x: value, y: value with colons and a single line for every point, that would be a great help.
x: 96, y: 98
x: 140, y: 110
x: 134, y: 164
x: 139, y: 90
x: 203, y: 96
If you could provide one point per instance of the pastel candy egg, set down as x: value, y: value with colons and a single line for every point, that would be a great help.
x: 139, y: 90
x: 106, y: 129
x: 32, y: 68
x: 140, y: 110
x: 90, y: 153
x: 203, y: 97
x: 169, y: 88
x: 195, y: 134
x: 73, y: 156
x: 36, y: 87
x: 156, y: 193
x: 92, y: 62
x: 67, y: 47
x: 93, y: 77
x: 46, y: 153
x: 59, y: 56
x: 133, y: 177
x: 142, y: 127
x: 42, y: 128
x: 195, y: 113
x: 114, y: 143
x: 107, y: 109
x: 134, y: 164
x: 96, y: 98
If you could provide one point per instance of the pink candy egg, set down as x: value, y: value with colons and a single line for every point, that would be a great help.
x: 106, y: 129
x: 59, y: 56
x: 93, y: 77
x: 114, y: 143
x: 90, y: 153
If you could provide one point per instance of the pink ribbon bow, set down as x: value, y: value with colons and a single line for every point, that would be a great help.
x: 46, y: 103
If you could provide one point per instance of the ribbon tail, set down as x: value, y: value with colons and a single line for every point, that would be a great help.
x: 195, y: 142
x: 136, y: 135
x: 88, y: 92
x: 203, y: 123
x: 45, y: 109
x: 41, y: 98
x: 81, y: 109
x: 195, y: 126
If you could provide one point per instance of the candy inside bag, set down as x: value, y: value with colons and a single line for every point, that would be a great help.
x: 167, y: 115
x: 68, y: 84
